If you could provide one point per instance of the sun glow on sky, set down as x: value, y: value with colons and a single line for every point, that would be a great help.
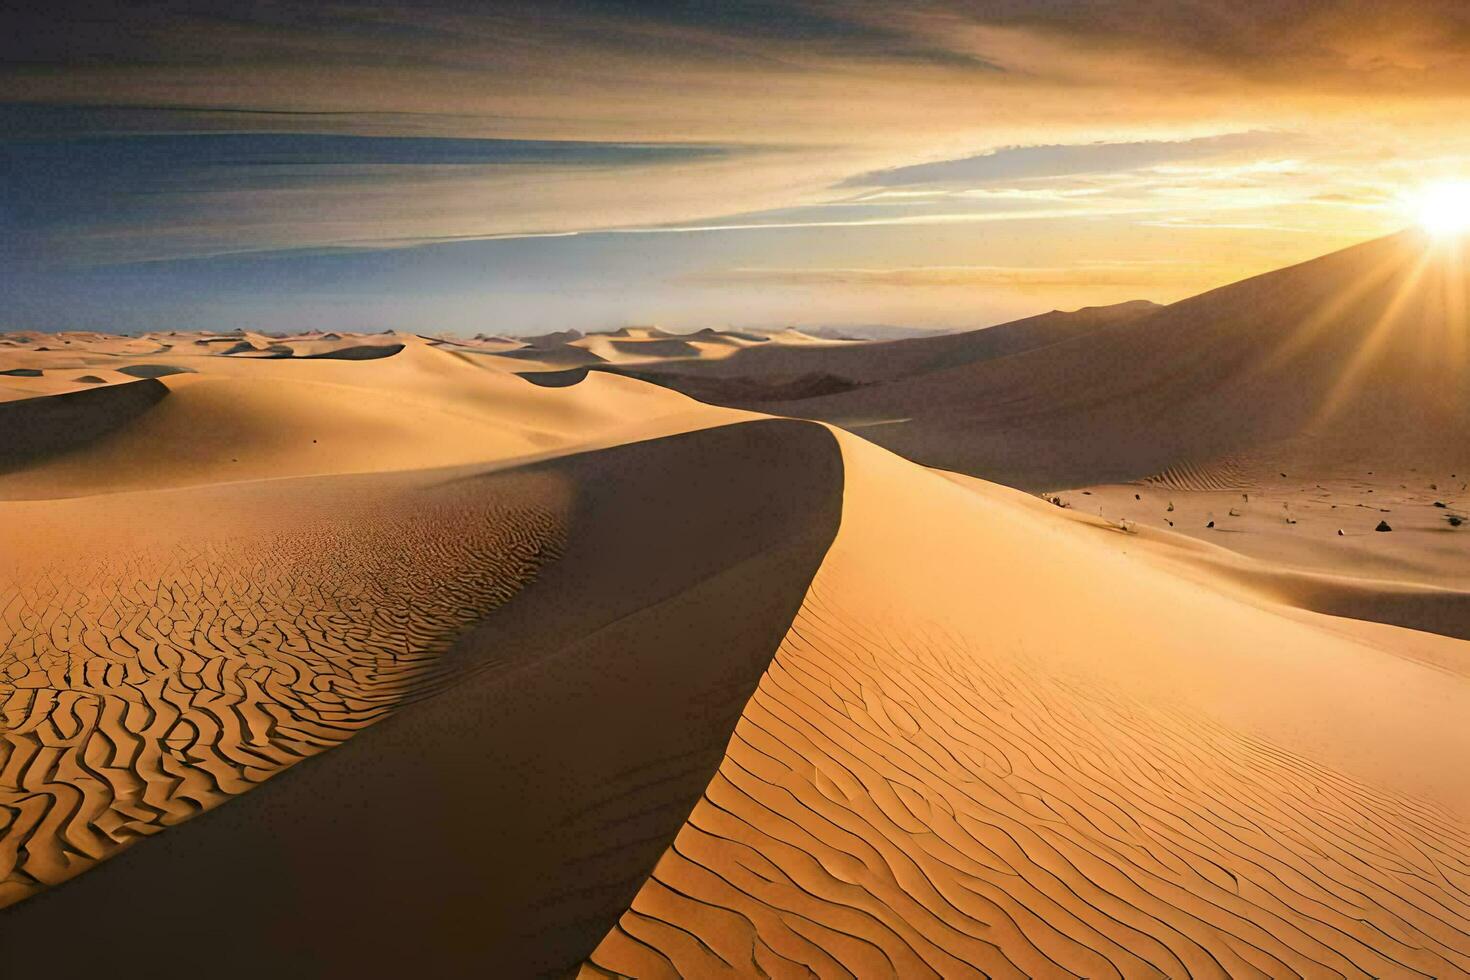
x: 579, y: 163
x: 1443, y: 208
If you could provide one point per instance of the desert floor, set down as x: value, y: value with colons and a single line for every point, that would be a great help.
x: 598, y: 655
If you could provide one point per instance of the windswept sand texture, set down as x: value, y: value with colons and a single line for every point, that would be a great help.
x: 161, y: 653
x: 235, y: 599
x: 943, y: 774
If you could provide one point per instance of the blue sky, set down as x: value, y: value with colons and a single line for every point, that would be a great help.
x: 460, y: 167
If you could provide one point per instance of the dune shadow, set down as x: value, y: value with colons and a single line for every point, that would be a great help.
x: 153, y: 370
x: 554, y: 379
x: 363, y: 352
x: 1446, y: 612
x: 34, y: 428
x: 561, y: 354
x: 741, y: 391
x: 657, y: 348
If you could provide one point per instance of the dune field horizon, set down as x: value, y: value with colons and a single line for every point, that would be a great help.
x: 735, y: 490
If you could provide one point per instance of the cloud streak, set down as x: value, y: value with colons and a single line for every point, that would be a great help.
x: 694, y: 135
x: 1013, y: 163
x: 1143, y: 275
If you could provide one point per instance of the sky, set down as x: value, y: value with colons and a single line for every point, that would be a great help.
x: 449, y: 166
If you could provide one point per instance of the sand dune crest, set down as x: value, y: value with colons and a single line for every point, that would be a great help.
x: 924, y: 786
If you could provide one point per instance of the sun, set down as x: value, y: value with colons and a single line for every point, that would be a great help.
x: 1443, y: 208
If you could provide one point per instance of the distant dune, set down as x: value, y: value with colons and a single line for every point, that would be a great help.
x: 871, y: 331
x: 1284, y: 418
x: 1348, y: 361
x: 232, y: 419
x: 1351, y: 360
x: 559, y: 355
x: 891, y: 360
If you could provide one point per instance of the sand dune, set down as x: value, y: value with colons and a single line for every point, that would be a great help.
x: 561, y: 355
x: 1314, y: 542
x: 650, y: 348
x: 866, y: 363
x: 1283, y: 417
x: 356, y: 352
x: 232, y: 420
x: 212, y: 617
x: 941, y: 776
x: 1349, y: 363
x: 573, y: 730
x: 793, y: 370
x: 641, y: 333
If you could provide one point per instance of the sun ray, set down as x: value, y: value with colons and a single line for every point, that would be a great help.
x: 1455, y: 309
x: 1378, y: 337
x: 1331, y: 311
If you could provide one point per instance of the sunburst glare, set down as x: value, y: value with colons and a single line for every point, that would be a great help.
x: 1442, y: 208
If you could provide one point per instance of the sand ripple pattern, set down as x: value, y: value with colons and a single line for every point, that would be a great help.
x: 898, y: 802
x: 139, y: 688
x: 1223, y: 474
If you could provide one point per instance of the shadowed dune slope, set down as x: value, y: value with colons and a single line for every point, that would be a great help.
x: 35, y: 428
x: 1442, y: 611
x: 501, y: 819
x: 362, y: 352
x: 865, y: 363
x: 161, y: 653
x: 656, y: 348
x: 970, y: 758
x: 555, y: 379
x: 152, y: 370
x: 563, y: 355
x: 358, y: 352
x: 1357, y: 358
x: 747, y: 392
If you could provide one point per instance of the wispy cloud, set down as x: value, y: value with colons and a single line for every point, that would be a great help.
x: 1057, y: 160
x: 126, y: 197
x: 864, y: 135
x: 1143, y: 274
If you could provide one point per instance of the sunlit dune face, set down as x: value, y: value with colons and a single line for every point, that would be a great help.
x: 1443, y: 209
